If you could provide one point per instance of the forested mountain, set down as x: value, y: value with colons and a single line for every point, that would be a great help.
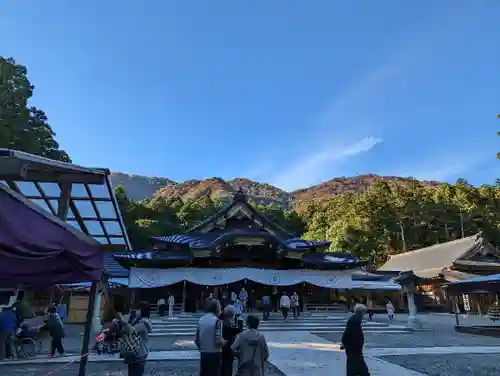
x: 140, y: 187
x: 383, y: 219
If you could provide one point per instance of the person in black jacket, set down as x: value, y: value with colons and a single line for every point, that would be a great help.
x: 353, y: 341
x: 229, y: 332
x: 56, y: 330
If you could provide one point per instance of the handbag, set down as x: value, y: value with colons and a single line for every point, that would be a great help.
x: 130, y: 344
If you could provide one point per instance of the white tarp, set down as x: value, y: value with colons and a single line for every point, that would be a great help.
x: 150, y: 278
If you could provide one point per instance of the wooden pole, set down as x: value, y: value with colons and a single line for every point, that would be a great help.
x: 455, y: 301
x: 184, y: 290
x: 84, y: 353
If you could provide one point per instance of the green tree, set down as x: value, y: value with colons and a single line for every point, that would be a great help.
x: 24, y: 127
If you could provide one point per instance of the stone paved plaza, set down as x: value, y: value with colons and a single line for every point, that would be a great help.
x: 170, y: 368
x: 435, y: 351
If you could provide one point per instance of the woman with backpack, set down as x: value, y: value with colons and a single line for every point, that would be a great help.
x: 134, y: 345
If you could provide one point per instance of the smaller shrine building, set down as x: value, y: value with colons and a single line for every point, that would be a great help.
x: 427, y: 270
x: 239, y: 247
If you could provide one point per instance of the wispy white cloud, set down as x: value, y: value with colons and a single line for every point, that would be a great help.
x: 339, y: 131
x: 309, y: 169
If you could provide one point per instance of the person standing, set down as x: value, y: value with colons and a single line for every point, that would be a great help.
x: 56, y: 331
x: 209, y: 298
x: 275, y: 299
x: 209, y: 340
x: 243, y: 298
x: 8, y: 325
x: 353, y: 341
x: 224, y: 299
x: 161, y: 307
x: 229, y: 332
x: 295, y: 304
x: 140, y: 326
x: 238, y: 307
x: 285, y: 305
x: 251, y: 350
x: 62, y: 310
x: 171, y: 303
x: 390, y: 310
x: 266, y: 307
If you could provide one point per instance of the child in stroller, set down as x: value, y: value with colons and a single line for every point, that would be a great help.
x: 107, y: 342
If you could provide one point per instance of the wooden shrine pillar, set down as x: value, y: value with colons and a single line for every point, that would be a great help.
x: 184, y: 295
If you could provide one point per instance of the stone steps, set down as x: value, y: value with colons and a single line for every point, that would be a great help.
x: 185, y: 325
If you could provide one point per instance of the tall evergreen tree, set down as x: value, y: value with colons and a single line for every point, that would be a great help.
x: 24, y: 127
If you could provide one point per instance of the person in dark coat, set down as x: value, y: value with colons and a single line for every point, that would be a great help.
x: 229, y: 332
x: 209, y: 340
x: 56, y: 330
x: 353, y: 341
x: 8, y: 326
x: 266, y: 307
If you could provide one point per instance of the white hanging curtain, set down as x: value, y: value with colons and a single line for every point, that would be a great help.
x: 150, y: 278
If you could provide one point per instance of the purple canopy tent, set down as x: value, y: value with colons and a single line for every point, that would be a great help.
x: 36, y: 246
x: 38, y: 249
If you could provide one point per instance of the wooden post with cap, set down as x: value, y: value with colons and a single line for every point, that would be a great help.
x: 84, y: 353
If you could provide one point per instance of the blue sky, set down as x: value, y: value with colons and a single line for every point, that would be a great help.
x: 286, y: 92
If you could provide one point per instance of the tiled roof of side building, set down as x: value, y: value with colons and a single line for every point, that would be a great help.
x: 437, y: 256
x: 112, y: 268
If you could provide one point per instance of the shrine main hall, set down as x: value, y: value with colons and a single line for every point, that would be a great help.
x: 240, y: 247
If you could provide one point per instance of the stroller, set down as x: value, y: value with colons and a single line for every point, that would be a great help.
x: 107, y: 342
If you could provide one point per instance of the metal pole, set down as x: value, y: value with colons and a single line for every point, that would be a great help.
x: 88, y: 327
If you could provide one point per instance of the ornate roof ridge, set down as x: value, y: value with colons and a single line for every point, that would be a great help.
x: 240, y: 198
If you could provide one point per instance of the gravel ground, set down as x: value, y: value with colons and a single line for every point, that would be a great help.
x: 450, y: 365
x: 436, y: 338
x: 168, y: 368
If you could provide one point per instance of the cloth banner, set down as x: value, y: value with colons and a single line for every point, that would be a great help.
x: 151, y: 278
